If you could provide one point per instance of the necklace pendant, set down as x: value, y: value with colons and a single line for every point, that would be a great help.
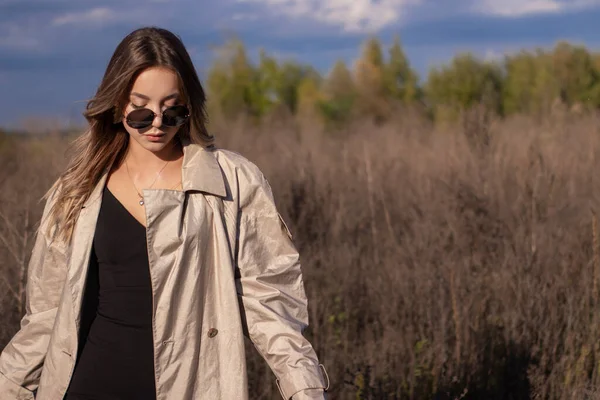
x: 141, y: 202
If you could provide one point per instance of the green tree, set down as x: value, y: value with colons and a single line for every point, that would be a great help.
x: 339, y: 93
x: 466, y: 82
x: 373, y: 100
x: 264, y: 96
x: 230, y: 81
x: 577, y: 78
x: 530, y: 85
x: 402, y: 80
x: 291, y: 76
x: 308, y: 100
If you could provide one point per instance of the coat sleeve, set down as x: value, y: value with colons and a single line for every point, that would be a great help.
x: 22, y: 359
x: 272, y: 296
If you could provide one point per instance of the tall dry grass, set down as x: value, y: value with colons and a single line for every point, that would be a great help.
x: 449, y: 263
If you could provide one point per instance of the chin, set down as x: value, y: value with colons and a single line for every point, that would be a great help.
x: 155, y: 146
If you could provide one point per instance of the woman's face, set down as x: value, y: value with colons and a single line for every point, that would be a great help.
x: 155, y: 88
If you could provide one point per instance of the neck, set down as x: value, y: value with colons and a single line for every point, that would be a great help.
x: 137, y: 155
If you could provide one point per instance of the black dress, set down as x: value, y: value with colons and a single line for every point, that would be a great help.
x: 115, y: 360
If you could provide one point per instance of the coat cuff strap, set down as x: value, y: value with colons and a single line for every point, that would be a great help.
x: 300, y: 379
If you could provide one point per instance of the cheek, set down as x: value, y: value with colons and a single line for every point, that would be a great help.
x: 171, y: 132
x: 130, y: 130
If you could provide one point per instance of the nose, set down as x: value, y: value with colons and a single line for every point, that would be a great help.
x: 157, y: 122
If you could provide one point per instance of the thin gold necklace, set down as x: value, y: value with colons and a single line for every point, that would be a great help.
x: 141, y: 202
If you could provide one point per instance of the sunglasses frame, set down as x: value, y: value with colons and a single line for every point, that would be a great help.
x: 146, y: 124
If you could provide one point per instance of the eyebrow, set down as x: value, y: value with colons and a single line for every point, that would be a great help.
x: 169, y: 97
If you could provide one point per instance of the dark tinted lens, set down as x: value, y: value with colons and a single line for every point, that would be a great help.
x: 142, y: 118
x: 175, y: 116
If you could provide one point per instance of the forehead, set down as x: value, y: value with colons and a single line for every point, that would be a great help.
x: 156, y: 82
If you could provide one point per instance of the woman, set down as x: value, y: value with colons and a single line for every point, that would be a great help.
x: 156, y: 253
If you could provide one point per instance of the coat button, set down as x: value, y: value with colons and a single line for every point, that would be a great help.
x: 212, y: 332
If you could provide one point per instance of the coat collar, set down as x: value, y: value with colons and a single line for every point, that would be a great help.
x: 200, y: 171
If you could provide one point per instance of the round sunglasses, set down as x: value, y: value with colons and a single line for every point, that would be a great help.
x: 144, y: 117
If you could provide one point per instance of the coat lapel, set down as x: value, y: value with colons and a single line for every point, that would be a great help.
x: 81, y: 246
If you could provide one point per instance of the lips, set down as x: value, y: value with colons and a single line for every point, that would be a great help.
x: 155, y: 138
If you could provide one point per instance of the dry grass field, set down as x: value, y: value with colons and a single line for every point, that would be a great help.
x: 457, y: 262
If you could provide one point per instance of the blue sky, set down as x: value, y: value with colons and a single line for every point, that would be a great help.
x: 53, y: 52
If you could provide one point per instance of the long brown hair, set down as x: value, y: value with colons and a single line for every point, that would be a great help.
x: 105, y: 141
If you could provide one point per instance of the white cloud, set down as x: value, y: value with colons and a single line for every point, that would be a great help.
x: 518, y: 8
x: 18, y: 36
x: 94, y: 16
x: 351, y: 15
x: 244, y: 17
x: 493, y: 55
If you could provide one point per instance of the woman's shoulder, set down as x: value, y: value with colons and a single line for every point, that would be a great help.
x: 241, y: 166
x: 245, y: 179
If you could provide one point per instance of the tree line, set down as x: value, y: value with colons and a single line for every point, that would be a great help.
x: 382, y: 81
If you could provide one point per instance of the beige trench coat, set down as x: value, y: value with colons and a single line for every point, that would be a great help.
x: 222, y: 264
